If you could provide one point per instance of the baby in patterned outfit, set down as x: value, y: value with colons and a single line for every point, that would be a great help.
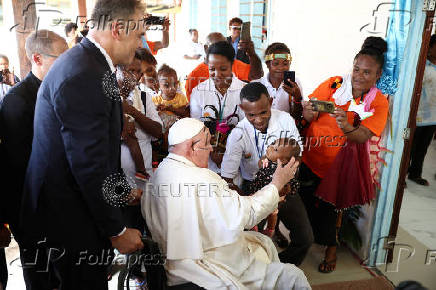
x: 283, y: 149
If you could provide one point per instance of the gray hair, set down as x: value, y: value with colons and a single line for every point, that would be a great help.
x: 4, y: 57
x: 116, y: 9
x: 41, y: 41
x: 214, y: 37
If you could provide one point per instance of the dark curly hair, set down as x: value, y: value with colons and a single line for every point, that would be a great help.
x: 221, y: 48
x: 374, y: 47
x: 166, y: 69
x: 144, y: 54
x: 235, y: 20
x: 277, y: 47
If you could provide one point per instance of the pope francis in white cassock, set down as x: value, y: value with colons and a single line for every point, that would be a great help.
x: 199, y: 222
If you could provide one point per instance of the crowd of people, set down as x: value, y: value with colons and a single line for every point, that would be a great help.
x: 210, y: 167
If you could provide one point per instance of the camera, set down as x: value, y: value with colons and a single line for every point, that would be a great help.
x: 154, y: 20
x: 323, y: 106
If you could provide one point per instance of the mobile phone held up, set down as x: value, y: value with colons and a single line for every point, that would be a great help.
x: 289, y: 75
x: 245, y: 31
x: 323, y: 106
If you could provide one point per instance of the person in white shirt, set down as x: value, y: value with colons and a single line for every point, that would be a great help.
x: 194, y: 49
x: 218, y: 97
x: 147, y: 121
x: 285, y: 97
x: 148, y: 126
x: 247, y: 143
x: 199, y: 222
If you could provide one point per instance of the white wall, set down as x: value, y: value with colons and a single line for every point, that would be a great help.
x: 323, y: 35
x: 8, y: 43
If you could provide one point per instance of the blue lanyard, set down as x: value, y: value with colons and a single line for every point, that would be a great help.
x: 257, y: 141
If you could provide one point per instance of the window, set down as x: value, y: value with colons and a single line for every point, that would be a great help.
x: 219, y: 16
x: 256, y: 12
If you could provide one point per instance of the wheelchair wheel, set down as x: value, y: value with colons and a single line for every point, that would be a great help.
x: 127, y: 280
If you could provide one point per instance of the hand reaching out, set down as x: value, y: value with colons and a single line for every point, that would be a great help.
x: 284, y: 174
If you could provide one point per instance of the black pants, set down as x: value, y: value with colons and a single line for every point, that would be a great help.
x: 421, y: 140
x: 82, y: 270
x: 37, y: 270
x: 3, y: 269
x: 322, y: 215
x: 294, y: 216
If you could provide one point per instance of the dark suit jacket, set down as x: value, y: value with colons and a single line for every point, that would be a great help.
x: 76, y: 146
x: 16, y: 132
x: 240, y: 54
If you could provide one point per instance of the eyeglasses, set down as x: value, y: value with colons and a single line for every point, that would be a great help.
x: 235, y: 27
x: 50, y: 55
x: 208, y: 147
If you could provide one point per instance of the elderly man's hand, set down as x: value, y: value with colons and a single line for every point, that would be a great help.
x: 284, y: 174
x: 128, y: 242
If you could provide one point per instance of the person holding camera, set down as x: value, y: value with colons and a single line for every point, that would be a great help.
x: 286, y: 93
x: 343, y: 114
x: 7, y: 78
x: 244, y: 72
x: 154, y: 46
x: 235, y: 27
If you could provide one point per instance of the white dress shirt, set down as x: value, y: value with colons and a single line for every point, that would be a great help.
x: 242, y: 151
x: 206, y: 94
x: 199, y: 225
x: 280, y: 96
x: 103, y: 51
x: 194, y: 48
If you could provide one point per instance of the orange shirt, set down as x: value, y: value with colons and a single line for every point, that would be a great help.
x: 324, y: 139
x: 201, y: 73
x: 151, y: 46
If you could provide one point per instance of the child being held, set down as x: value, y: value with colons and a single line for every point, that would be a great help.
x: 148, y: 83
x: 126, y: 83
x: 170, y: 103
x: 283, y: 149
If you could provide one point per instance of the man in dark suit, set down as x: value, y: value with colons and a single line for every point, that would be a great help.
x: 235, y: 26
x: 76, y: 151
x: 16, y: 133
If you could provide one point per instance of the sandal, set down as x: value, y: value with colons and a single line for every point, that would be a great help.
x: 327, y: 267
x: 420, y: 181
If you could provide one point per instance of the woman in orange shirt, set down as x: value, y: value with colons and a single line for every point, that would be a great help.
x: 335, y: 172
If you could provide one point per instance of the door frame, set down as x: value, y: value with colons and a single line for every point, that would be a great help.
x: 411, y: 125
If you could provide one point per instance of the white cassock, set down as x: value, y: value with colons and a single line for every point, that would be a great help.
x: 199, y: 225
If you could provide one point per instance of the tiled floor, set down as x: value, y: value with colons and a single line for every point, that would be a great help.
x: 417, y: 229
x: 413, y: 267
x: 418, y: 210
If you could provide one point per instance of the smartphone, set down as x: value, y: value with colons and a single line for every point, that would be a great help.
x: 245, y: 31
x: 289, y: 75
x: 323, y: 106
